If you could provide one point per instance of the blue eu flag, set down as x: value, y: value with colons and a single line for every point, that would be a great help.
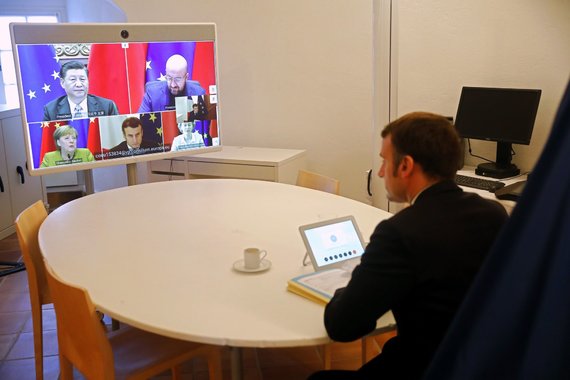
x: 159, y: 52
x: 39, y: 69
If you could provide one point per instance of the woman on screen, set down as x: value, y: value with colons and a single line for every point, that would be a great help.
x: 190, y: 138
x: 65, y: 138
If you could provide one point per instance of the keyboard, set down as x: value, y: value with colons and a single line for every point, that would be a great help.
x: 478, y: 183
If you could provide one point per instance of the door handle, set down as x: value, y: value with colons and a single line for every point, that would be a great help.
x: 369, y: 179
x: 20, y: 171
x: 1, y: 185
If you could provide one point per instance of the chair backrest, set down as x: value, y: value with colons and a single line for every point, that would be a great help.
x: 27, y: 227
x: 81, y: 336
x: 318, y: 182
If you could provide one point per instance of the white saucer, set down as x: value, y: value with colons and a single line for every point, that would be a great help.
x: 263, y: 266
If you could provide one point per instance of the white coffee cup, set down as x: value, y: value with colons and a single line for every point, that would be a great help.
x: 252, y: 257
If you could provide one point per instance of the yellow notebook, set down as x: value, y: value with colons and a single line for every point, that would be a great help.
x: 319, y: 286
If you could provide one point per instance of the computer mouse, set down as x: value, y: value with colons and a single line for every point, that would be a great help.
x: 496, y: 186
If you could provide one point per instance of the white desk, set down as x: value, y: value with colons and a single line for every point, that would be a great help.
x: 268, y: 164
x: 159, y: 256
x: 508, y: 205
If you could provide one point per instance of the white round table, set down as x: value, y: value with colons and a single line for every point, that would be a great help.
x: 160, y: 257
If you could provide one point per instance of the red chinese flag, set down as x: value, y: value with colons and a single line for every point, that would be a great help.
x: 108, y: 74
x: 117, y: 73
x: 203, y: 69
x: 48, y: 145
x: 169, y: 127
x: 94, y: 138
x: 136, y: 66
x: 213, y: 128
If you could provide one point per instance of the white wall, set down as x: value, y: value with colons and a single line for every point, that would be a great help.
x: 446, y: 44
x: 293, y: 74
x: 94, y: 11
x: 37, y: 6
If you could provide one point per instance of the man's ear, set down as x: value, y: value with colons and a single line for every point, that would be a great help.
x: 406, y: 166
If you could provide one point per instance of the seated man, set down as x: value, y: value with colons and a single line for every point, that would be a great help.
x: 77, y: 103
x: 198, y: 112
x: 134, y: 143
x: 160, y: 95
x: 420, y: 262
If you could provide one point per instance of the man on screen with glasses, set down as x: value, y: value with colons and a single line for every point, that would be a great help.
x: 160, y: 95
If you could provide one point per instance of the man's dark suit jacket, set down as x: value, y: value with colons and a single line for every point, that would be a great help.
x: 122, y: 149
x: 157, y: 96
x: 419, y: 264
x: 58, y: 109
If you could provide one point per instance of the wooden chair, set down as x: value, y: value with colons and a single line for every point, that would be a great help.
x: 318, y: 182
x: 27, y: 227
x: 127, y: 353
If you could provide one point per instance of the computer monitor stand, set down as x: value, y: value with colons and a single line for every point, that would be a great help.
x: 491, y: 169
x: 502, y: 168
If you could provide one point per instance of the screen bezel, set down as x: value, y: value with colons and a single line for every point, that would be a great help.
x: 37, y: 34
x: 309, y: 227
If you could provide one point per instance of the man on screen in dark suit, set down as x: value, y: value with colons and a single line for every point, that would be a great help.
x: 198, y: 112
x: 160, y: 95
x: 420, y: 262
x: 134, y: 143
x: 77, y: 103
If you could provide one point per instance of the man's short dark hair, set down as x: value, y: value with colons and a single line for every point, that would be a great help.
x: 72, y: 65
x: 131, y: 122
x: 430, y: 139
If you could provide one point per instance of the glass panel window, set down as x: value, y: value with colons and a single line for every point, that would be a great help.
x: 5, y: 21
x: 6, y: 56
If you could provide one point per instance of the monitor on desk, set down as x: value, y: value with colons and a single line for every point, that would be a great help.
x: 95, y: 95
x: 503, y: 115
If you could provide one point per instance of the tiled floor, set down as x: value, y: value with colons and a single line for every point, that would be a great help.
x: 16, y: 338
x: 17, y: 353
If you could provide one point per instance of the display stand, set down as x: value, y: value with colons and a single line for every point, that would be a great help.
x: 132, y: 174
x: 89, y: 185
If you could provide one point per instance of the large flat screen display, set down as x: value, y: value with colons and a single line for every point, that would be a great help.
x: 96, y: 95
x: 504, y: 115
x: 497, y: 114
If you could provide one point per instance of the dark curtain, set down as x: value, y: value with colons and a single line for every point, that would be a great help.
x: 515, y: 321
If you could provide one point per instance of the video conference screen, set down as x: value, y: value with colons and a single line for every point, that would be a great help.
x: 87, y: 103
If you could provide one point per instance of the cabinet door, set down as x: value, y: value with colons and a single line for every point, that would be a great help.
x: 24, y: 188
x: 5, y: 205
